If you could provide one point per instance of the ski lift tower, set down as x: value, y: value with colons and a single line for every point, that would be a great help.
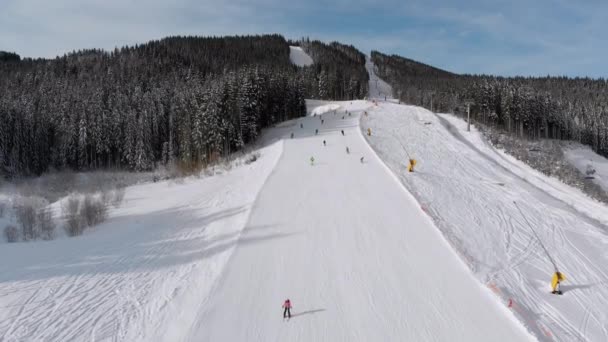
x: 469, y: 102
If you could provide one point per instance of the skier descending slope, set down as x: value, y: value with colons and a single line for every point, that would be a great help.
x: 287, y: 309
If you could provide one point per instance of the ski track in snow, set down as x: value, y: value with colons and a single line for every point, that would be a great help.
x: 141, y: 275
x: 468, y: 188
x: 351, y: 248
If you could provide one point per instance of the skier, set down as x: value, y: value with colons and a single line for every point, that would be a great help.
x: 361, y: 160
x: 324, y: 143
x: 342, y: 117
x: 291, y: 135
x: 349, y: 114
x: 347, y: 150
x: 342, y: 132
x: 287, y: 309
x: 322, y: 121
x: 555, y: 282
x: 301, y: 126
x: 410, y: 166
x: 312, y: 161
x: 316, y: 131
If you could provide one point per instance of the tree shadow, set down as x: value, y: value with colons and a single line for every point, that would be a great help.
x: 134, y: 243
x: 309, y: 312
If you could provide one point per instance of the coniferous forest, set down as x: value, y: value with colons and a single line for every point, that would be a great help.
x: 529, y: 107
x: 185, y: 100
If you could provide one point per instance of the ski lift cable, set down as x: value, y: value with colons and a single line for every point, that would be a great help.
x: 537, y: 237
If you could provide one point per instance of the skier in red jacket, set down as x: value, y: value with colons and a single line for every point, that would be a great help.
x: 287, y: 307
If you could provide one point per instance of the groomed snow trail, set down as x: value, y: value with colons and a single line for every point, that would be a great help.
x: 468, y: 187
x: 353, y: 251
x: 140, y: 276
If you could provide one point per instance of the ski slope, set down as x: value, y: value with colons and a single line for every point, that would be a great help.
x: 469, y: 189
x: 140, y: 276
x: 378, y: 89
x: 583, y: 158
x: 353, y: 251
x: 299, y: 57
x: 212, y: 259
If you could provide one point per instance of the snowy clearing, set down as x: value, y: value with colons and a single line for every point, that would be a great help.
x: 353, y: 251
x: 469, y: 189
x: 378, y: 89
x: 140, y: 276
x: 299, y: 57
x: 583, y: 158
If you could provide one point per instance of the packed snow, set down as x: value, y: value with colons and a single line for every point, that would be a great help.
x: 140, y: 276
x: 320, y: 108
x: 469, y: 189
x: 378, y: 89
x: 589, y: 163
x: 299, y: 57
x: 213, y: 259
x: 353, y: 251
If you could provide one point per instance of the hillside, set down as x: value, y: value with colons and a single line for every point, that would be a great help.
x: 527, y: 107
x: 182, y: 101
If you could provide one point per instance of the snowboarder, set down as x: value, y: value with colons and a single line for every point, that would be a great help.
x: 342, y: 132
x: 347, y: 150
x: 316, y: 131
x: 324, y: 143
x: 287, y: 309
x: 312, y: 161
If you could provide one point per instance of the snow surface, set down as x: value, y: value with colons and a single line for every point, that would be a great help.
x: 140, y: 276
x: 299, y: 57
x: 581, y: 156
x: 378, y: 89
x: 469, y: 189
x: 353, y: 251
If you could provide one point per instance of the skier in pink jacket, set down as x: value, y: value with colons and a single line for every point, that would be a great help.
x: 287, y: 307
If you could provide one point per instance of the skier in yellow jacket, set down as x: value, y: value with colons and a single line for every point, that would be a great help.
x: 558, y: 277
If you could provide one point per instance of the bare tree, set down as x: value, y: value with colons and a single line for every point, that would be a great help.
x: 11, y: 233
x: 118, y: 196
x: 46, y: 225
x: 71, y: 211
x: 25, y: 212
x: 93, y: 210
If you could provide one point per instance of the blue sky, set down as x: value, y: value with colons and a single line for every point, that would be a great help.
x: 534, y: 37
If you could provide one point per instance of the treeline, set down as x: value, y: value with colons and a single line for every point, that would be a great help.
x: 9, y: 57
x: 530, y: 107
x: 184, y: 100
x: 338, y: 73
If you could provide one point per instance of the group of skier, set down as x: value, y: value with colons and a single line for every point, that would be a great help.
x: 312, y: 159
